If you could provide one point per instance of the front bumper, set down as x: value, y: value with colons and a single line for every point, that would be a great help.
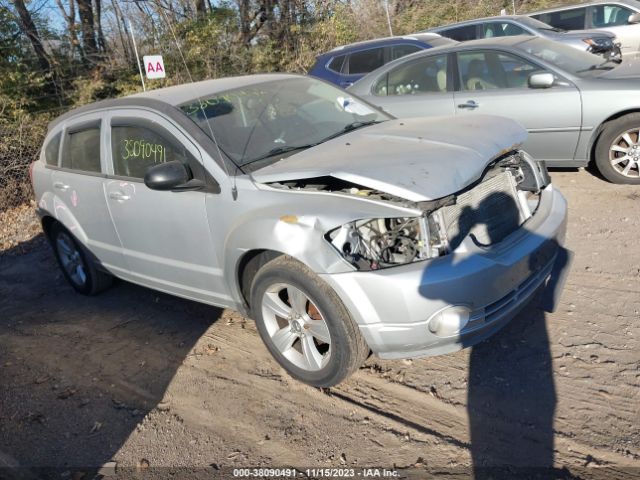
x: 393, y: 306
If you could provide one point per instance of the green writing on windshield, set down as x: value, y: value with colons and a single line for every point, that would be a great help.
x: 141, y: 149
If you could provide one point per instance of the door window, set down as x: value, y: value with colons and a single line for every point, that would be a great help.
x: 135, y: 149
x: 427, y: 75
x: 82, y: 150
x: 461, y: 34
x: 566, y: 19
x: 366, y: 61
x: 502, y: 29
x: 492, y: 70
x: 610, y: 15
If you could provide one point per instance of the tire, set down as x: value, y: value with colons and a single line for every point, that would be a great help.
x: 77, y: 264
x: 318, y: 354
x: 611, y: 147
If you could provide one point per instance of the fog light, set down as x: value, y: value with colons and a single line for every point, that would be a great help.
x: 449, y: 321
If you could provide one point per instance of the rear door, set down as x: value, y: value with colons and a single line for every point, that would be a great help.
x: 420, y: 87
x: 496, y: 83
x: 78, y: 185
x: 165, y: 235
x: 359, y: 63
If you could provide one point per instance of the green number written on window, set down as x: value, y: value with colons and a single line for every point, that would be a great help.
x: 140, y: 149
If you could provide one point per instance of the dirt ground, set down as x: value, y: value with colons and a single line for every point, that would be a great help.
x: 159, y: 384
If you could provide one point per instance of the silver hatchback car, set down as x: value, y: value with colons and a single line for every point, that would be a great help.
x: 338, y: 228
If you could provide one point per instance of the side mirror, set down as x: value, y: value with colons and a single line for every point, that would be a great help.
x: 167, y: 176
x: 634, y: 18
x: 541, y: 80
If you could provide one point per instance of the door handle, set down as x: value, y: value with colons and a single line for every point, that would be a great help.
x: 470, y: 105
x: 119, y: 196
x: 61, y: 186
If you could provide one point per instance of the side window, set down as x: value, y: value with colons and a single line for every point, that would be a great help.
x: 366, y: 61
x: 461, y: 34
x: 502, y: 29
x: 567, y: 19
x: 52, y: 150
x: 492, y: 70
x: 336, y: 63
x: 136, y: 148
x: 427, y: 75
x: 609, y: 15
x: 82, y: 150
x: 398, y: 51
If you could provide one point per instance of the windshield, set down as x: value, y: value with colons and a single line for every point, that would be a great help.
x: 538, y: 25
x: 267, y: 119
x: 569, y: 59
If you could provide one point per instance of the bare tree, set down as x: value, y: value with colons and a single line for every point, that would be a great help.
x: 85, y: 9
x: 28, y: 27
x: 70, y: 18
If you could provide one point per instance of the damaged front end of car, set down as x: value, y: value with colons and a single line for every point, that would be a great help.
x: 505, y: 196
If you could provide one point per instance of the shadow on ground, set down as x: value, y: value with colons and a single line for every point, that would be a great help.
x: 96, y: 365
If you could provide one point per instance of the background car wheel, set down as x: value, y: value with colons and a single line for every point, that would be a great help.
x: 618, y: 150
x: 304, y: 324
x: 76, y: 263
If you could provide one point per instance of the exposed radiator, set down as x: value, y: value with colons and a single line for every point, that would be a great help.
x: 489, y: 212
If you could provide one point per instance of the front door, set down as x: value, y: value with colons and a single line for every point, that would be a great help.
x: 496, y: 83
x: 165, y: 235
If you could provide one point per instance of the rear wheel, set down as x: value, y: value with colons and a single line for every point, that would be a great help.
x: 304, y: 324
x: 618, y: 150
x: 76, y: 263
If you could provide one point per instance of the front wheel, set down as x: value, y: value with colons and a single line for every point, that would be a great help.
x: 304, y: 324
x: 618, y: 150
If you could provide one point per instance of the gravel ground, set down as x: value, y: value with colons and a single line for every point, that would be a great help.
x: 161, y: 385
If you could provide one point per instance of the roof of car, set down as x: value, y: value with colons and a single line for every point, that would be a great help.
x: 176, y: 95
x: 631, y: 3
x: 478, y: 20
x: 421, y: 37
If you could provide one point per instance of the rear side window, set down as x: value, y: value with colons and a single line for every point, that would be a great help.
x: 366, y: 61
x: 427, y: 75
x: 51, y: 151
x: 336, y: 63
x: 398, y: 51
x: 82, y: 151
x: 461, y: 34
x: 135, y: 149
x: 502, y: 29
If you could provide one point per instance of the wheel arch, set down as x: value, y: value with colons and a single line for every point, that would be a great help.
x: 595, y: 136
x: 248, y: 266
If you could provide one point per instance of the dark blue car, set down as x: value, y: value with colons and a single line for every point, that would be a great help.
x: 346, y: 64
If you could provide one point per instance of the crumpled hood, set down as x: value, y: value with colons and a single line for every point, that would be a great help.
x: 417, y: 159
x: 580, y: 34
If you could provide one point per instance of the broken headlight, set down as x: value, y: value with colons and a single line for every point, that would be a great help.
x: 386, y: 242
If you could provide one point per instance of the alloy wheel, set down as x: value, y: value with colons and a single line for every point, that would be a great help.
x: 296, y: 327
x: 624, y: 153
x: 71, y: 259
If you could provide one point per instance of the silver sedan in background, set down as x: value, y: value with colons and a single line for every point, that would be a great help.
x: 577, y: 107
x: 594, y: 41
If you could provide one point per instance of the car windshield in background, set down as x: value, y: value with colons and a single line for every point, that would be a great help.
x: 262, y: 121
x: 538, y: 25
x: 565, y: 57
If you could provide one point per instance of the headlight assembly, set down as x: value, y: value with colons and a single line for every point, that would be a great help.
x: 386, y: 242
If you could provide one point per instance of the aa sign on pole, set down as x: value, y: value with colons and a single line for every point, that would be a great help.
x: 154, y: 66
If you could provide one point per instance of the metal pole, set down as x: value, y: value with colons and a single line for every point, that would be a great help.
x: 135, y: 49
x: 513, y: 4
x: 386, y: 4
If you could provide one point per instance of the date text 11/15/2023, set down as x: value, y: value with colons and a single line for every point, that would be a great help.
x: 315, y: 473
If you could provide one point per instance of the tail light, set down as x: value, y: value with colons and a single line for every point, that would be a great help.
x: 31, y: 165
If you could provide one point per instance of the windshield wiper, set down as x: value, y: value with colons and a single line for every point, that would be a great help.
x: 280, y: 150
x: 350, y: 128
